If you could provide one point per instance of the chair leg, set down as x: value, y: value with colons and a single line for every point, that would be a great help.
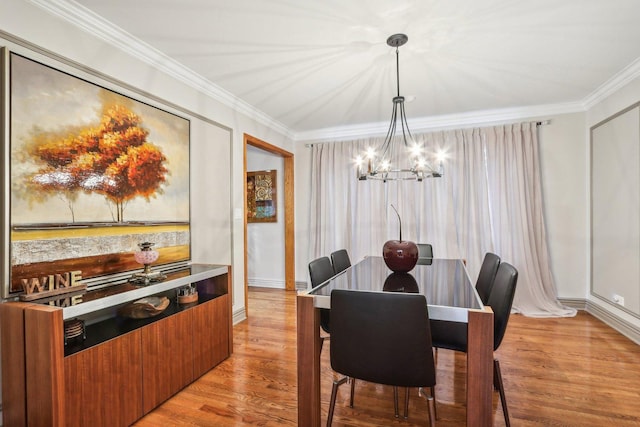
x: 431, y: 403
x: 395, y: 400
x: 431, y: 406
x: 353, y: 389
x: 435, y: 402
x: 497, y: 383
x: 334, y: 394
x: 406, y: 403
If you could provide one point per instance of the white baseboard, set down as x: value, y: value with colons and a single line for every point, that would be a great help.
x: 277, y: 284
x: 577, y: 303
x: 625, y: 328
x: 266, y: 283
x: 239, y: 316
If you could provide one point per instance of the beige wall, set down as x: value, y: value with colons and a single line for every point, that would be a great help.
x: 41, y: 30
x: 614, y: 103
x: 563, y: 158
x: 303, y: 202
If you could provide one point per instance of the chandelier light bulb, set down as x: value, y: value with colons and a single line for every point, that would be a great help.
x: 371, y: 153
x: 416, y: 150
x: 421, y: 163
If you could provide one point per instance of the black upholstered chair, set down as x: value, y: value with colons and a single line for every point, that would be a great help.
x: 484, y: 283
x: 321, y: 270
x: 453, y: 335
x: 487, y: 273
x: 382, y: 338
x: 425, y: 253
x: 340, y: 260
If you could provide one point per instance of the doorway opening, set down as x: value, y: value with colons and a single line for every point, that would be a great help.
x: 288, y: 213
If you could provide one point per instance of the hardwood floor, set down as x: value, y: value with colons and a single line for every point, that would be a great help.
x: 557, y: 372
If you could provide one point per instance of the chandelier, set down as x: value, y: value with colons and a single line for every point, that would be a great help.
x: 380, y: 164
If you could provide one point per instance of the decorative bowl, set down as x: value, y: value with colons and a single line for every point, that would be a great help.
x: 144, y: 308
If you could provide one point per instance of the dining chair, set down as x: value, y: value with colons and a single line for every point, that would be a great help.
x: 487, y: 273
x: 453, y: 335
x: 340, y: 260
x: 321, y: 270
x: 484, y: 281
x: 425, y: 253
x: 382, y: 338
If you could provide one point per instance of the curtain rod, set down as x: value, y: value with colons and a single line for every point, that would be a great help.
x: 539, y: 123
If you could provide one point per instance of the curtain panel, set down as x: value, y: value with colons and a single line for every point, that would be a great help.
x: 489, y: 200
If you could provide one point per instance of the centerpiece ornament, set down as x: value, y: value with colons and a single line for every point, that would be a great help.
x: 400, y: 256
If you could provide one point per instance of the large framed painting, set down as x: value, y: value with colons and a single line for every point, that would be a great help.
x: 90, y: 175
x: 261, y: 196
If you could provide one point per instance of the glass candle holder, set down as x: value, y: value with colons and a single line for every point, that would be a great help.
x: 146, y: 256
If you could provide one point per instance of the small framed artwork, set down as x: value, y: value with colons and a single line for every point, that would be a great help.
x: 261, y: 196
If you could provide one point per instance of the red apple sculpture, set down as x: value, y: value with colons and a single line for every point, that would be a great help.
x: 400, y: 256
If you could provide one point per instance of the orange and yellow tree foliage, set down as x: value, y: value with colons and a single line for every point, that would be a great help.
x: 113, y: 159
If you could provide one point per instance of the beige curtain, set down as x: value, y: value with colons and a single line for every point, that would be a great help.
x: 488, y: 200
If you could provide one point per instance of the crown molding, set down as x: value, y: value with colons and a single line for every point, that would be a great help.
x: 442, y: 122
x: 97, y: 26
x: 94, y: 24
x: 480, y: 118
x: 617, y: 82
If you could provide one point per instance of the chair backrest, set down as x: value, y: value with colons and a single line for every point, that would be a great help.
x: 320, y: 270
x: 340, y: 260
x: 487, y: 274
x: 425, y: 253
x: 382, y: 337
x: 501, y: 300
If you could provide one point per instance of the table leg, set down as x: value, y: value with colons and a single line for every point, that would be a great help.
x: 308, y: 346
x: 480, y: 368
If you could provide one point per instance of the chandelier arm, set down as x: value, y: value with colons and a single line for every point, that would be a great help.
x: 405, y: 126
x: 386, y: 145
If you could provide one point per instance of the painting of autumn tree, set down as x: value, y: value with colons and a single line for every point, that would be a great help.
x: 93, y: 173
x: 113, y: 159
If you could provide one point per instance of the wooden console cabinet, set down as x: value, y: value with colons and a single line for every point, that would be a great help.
x: 125, y: 367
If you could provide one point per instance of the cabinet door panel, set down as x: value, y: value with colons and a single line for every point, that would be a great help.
x: 104, y: 383
x: 166, y: 358
x: 210, y: 334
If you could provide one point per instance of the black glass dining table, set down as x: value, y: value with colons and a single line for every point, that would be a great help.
x: 450, y: 296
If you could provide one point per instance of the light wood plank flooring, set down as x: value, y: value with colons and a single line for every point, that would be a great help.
x: 557, y: 372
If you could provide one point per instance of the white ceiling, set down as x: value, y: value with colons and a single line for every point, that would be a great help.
x: 312, y: 64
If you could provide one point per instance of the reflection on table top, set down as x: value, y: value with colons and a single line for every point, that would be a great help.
x: 445, y: 283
